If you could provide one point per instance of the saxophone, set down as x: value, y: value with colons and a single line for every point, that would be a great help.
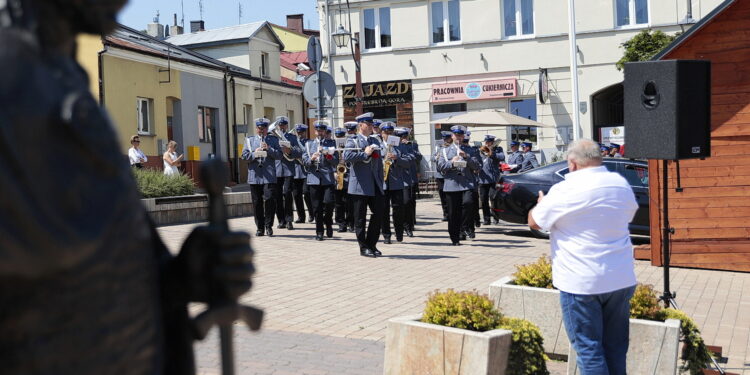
x: 387, y: 164
x: 341, y: 171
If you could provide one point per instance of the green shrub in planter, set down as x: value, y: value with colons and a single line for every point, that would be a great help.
x: 474, y: 311
x: 537, y: 274
x: 526, y: 355
x: 645, y: 304
x: 155, y: 184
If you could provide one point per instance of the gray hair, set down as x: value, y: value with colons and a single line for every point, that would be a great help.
x: 585, y: 152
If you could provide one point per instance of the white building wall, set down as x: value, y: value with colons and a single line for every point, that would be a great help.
x: 412, y: 57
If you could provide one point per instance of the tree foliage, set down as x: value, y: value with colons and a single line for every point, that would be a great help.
x: 644, y: 45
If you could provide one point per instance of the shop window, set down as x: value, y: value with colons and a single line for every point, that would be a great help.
x: 385, y: 113
x: 445, y: 20
x: 206, y: 120
x: 144, y: 115
x: 377, y: 22
x: 525, y: 108
x: 518, y: 17
x: 631, y: 12
x: 449, y: 108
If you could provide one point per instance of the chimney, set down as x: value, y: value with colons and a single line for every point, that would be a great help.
x: 174, y: 29
x: 296, y: 22
x: 155, y: 29
x: 196, y: 26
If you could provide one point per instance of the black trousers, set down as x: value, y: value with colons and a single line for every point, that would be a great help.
x: 414, y: 191
x: 322, y: 202
x: 264, y: 204
x: 284, y: 203
x: 306, y: 198
x: 441, y: 193
x: 342, y: 207
x: 409, y: 207
x: 459, y: 210
x: 475, y: 197
x: 394, y: 202
x: 368, y: 238
x: 485, y: 194
x: 298, y: 185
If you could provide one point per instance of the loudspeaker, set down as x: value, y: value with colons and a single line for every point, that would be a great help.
x: 667, y: 109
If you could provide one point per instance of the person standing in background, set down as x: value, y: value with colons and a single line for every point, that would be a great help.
x: 529, y: 159
x: 171, y: 160
x: 321, y: 159
x: 410, y: 202
x: 285, y: 173
x: 457, y: 167
x: 300, y: 175
x: 136, y: 156
x: 491, y: 157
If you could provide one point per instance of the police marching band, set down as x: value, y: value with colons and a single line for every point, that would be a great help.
x: 340, y: 174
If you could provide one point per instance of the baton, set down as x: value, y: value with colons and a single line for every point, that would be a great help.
x: 222, y: 310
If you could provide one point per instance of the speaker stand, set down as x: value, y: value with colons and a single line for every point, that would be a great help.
x: 668, y: 297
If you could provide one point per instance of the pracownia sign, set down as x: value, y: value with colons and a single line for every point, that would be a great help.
x: 380, y: 93
x: 477, y: 90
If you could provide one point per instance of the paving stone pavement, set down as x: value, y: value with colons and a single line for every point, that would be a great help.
x: 327, y: 307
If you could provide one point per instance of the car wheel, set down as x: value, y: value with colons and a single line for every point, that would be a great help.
x: 540, y: 233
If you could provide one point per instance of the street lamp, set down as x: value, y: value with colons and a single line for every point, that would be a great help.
x: 341, y: 37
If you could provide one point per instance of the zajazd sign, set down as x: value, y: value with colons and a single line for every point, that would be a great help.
x: 462, y: 91
x: 380, y: 93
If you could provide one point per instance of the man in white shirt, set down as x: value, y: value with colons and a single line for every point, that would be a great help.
x: 587, y: 215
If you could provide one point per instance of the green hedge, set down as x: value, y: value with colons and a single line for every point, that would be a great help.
x: 155, y: 184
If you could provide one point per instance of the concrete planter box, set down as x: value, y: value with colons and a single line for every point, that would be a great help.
x: 653, y: 345
x: 413, y: 347
x: 192, y: 208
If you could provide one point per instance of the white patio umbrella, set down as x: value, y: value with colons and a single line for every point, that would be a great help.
x: 490, y: 117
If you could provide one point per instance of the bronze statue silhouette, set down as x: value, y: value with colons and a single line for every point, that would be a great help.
x: 86, y: 284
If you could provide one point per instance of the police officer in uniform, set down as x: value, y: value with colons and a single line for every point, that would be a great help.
x: 410, y: 202
x: 376, y: 127
x: 447, y: 141
x: 614, y: 150
x: 300, y: 176
x: 399, y: 158
x: 469, y: 229
x: 285, y: 173
x: 515, y: 157
x: 321, y: 159
x: 351, y: 131
x: 366, y: 185
x: 262, y: 151
x: 529, y: 159
x: 457, y: 167
x: 341, y: 203
x: 491, y: 157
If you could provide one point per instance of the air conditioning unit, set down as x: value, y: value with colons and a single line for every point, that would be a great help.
x: 562, y: 137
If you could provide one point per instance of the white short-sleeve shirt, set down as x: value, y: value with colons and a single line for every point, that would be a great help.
x: 587, y: 215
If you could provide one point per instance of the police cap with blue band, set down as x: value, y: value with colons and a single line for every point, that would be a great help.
x: 458, y: 129
x: 401, y: 132
x: 351, y: 125
x: 376, y: 123
x: 527, y: 144
x: 489, y: 138
x: 388, y: 125
x: 282, y: 120
x: 322, y: 125
x: 300, y: 127
x: 340, y: 132
x: 365, y: 117
x: 514, y: 143
x: 445, y: 134
x: 262, y: 121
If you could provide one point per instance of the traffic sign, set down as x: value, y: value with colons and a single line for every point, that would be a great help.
x: 327, y: 89
x: 315, y: 113
x: 314, y: 53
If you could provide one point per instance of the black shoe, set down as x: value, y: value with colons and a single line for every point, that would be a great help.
x: 497, y: 221
x: 399, y: 238
x: 289, y: 225
x: 259, y: 233
x: 281, y: 225
x: 387, y: 240
x: 342, y: 229
x: 486, y: 222
x: 478, y: 224
x: 376, y: 252
x: 269, y: 230
x: 365, y: 252
x: 300, y: 221
x: 319, y: 236
x: 456, y: 243
x: 445, y: 218
x: 409, y: 233
x: 329, y: 232
x: 310, y: 219
x: 351, y: 229
x: 471, y: 235
x: 462, y: 236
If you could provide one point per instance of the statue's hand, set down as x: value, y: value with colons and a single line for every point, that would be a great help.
x: 216, y: 267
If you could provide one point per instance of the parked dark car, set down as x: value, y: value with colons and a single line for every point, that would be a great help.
x: 517, y: 194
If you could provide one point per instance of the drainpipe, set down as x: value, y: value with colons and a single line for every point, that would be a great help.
x: 234, y: 132
x: 101, y: 72
x: 226, y: 106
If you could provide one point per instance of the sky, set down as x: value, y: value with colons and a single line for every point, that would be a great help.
x: 217, y: 13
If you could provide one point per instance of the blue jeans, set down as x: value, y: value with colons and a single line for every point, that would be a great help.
x: 598, y: 328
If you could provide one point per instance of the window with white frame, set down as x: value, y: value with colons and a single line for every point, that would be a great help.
x: 445, y: 21
x: 264, y: 64
x: 377, y: 23
x: 144, y: 113
x: 631, y: 12
x: 518, y: 17
x: 206, y: 119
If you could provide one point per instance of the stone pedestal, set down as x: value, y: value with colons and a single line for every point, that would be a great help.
x: 413, y: 347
